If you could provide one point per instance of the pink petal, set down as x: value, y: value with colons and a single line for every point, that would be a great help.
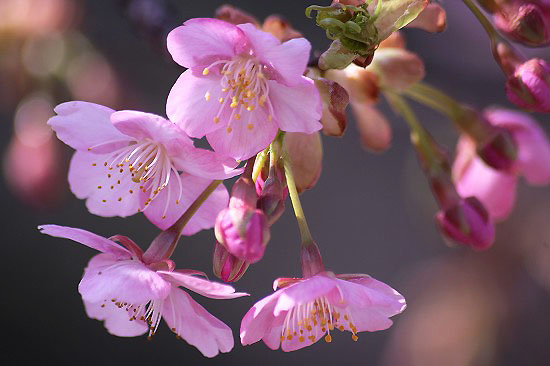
x: 126, y: 281
x: 166, y: 203
x: 245, y: 137
x: 287, y: 60
x: 432, y: 19
x: 188, y: 107
x: 204, y: 287
x: 143, y: 126
x: 204, y: 163
x: 297, y: 108
x: 533, y: 144
x: 259, y: 320
x: 195, y: 325
x: 367, y: 319
x: 372, y: 294
x: 117, y: 321
x: 304, y: 292
x: 108, y: 192
x: 496, y: 190
x: 82, y: 125
x: 201, y: 41
x: 87, y: 238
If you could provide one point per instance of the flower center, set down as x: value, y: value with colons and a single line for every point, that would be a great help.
x: 147, y: 164
x: 244, y: 88
x: 311, y: 320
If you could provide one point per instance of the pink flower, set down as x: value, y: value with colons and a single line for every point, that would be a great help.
x: 302, y: 312
x: 242, y: 85
x: 128, y: 161
x: 497, y: 189
x: 529, y: 86
x: 131, y: 295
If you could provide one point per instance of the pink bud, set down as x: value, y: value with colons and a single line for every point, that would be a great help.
x: 529, y: 86
x: 243, y: 231
x: 468, y: 223
x: 499, y: 150
x: 273, y: 193
x: 432, y: 19
x: 234, y: 15
x: 226, y: 266
x: 243, y: 193
x: 527, y: 24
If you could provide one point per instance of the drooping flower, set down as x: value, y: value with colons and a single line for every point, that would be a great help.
x: 304, y: 310
x: 131, y: 295
x: 497, y: 189
x: 128, y: 161
x: 242, y: 85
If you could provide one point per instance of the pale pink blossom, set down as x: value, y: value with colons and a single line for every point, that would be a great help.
x: 128, y: 161
x: 497, y: 189
x: 305, y: 310
x: 131, y: 295
x: 242, y: 85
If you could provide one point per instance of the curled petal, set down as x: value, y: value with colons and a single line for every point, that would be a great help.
x: 87, y: 238
x: 202, y: 286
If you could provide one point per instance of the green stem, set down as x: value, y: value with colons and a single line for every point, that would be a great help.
x: 259, y: 163
x: 419, y: 136
x: 435, y: 99
x: 165, y: 243
x: 305, y: 234
x: 491, y: 32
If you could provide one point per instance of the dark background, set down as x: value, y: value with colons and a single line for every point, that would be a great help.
x: 370, y: 213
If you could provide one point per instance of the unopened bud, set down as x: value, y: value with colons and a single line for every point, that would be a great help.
x: 529, y: 86
x: 528, y: 25
x: 226, y: 266
x: 243, y: 231
x: 273, y: 194
x: 243, y: 193
x: 467, y: 223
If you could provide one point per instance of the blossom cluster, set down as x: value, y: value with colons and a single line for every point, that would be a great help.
x: 254, y: 92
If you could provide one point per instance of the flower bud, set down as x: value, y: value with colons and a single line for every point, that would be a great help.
x: 396, y: 68
x: 243, y: 231
x: 529, y: 86
x: 527, y: 24
x: 234, y: 15
x: 280, y: 28
x: 226, y: 266
x: 273, y: 193
x: 306, y: 152
x: 243, y: 193
x: 468, y: 223
x: 432, y: 19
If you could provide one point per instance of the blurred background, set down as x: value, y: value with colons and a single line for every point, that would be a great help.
x: 370, y: 213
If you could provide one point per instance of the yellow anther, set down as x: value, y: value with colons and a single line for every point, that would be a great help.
x: 341, y: 327
x: 237, y: 116
x: 229, y: 129
x: 216, y: 119
x: 250, y: 108
x: 250, y: 126
x: 205, y: 71
x: 302, y: 339
x: 207, y: 96
x: 354, y: 337
x: 328, y: 338
x: 289, y: 337
x: 221, y: 100
x: 234, y: 103
x: 225, y: 90
x: 262, y: 100
x: 270, y: 118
